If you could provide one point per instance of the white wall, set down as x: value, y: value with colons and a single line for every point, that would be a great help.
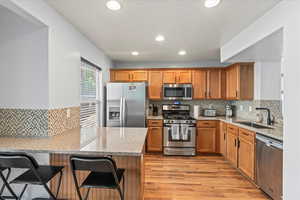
x: 267, y: 81
x: 24, y: 71
x: 285, y: 15
x: 66, y: 46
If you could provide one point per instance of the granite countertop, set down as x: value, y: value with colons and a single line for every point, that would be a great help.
x: 95, y: 140
x: 159, y: 117
x: 275, y: 133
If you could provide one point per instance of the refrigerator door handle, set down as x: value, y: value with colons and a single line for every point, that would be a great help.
x: 121, y: 112
x: 124, y: 112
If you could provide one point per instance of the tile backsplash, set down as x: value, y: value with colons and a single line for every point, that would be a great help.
x: 219, y: 105
x: 243, y: 109
x: 37, y: 122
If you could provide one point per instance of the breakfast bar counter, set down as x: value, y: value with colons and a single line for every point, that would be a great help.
x: 125, y: 145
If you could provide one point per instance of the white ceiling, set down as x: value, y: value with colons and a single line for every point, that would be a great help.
x: 186, y: 24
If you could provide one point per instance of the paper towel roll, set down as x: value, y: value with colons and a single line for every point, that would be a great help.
x: 196, y: 111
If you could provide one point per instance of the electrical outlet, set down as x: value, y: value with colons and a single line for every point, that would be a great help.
x: 241, y: 107
x: 250, y: 108
x: 68, y: 113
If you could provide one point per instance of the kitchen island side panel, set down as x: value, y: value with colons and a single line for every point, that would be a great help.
x: 134, y: 179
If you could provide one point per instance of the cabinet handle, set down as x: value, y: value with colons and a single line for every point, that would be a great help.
x: 238, y: 143
x: 224, y: 136
x: 235, y: 142
x: 129, y: 76
x: 236, y: 93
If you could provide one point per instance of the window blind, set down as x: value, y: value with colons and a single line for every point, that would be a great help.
x: 89, y: 95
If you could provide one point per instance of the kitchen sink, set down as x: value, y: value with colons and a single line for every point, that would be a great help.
x: 254, y: 125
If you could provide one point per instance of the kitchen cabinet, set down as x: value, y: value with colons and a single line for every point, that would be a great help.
x: 199, y: 84
x: 231, y: 143
x: 155, y: 85
x: 128, y: 75
x: 155, y: 136
x: 246, y: 152
x: 240, y: 81
x: 177, y: 76
x: 216, y: 84
x: 206, y: 136
x: 209, y: 83
x: 223, y: 138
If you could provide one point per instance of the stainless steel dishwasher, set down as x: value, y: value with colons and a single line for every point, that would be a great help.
x: 269, y: 166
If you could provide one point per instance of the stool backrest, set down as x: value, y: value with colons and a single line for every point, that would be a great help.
x: 94, y: 164
x: 17, y: 160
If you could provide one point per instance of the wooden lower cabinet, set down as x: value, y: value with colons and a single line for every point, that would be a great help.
x: 206, y: 140
x: 223, y: 138
x: 232, y: 150
x: 155, y: 136
x: 246, y: 152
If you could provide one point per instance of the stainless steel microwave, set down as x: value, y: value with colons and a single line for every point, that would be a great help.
x: 177, y: 91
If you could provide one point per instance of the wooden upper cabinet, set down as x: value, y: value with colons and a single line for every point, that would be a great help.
x: 199, y: 84
x: 216, y: 83
x: 169, y: 77
x: 121, y: 76
x: 177, y: 76
x: 240, y: 81
x: 155, y: 82
x: 184, y: 77
x: 128, y: 75
x: 139, y: 76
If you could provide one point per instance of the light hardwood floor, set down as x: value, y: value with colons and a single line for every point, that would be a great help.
x: 195, y: 178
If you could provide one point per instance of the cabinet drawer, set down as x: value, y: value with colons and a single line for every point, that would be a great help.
x: 232, y: 129
x: 207, y: 124
x: 247, y: 135
x: 155, y: 123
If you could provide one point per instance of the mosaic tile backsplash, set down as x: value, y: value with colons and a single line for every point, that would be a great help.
x: 37, y: 122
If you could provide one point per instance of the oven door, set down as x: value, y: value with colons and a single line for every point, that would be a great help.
x: 177, y: 91
x: 179, y: 135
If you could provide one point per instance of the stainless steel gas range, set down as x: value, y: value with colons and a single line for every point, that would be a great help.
x: 179, y: 130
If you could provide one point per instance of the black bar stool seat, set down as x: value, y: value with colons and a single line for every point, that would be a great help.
x: 102, y: 180
x: 46, y: 173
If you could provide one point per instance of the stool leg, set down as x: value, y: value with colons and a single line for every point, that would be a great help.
x: 124, y: 186
x: 7, y: 176
x: 59, y: 183
x: 8, y: 186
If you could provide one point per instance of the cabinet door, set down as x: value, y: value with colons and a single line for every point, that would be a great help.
x: 122, y: 76
x: 246, y: 157
x: 223, y: 138
x: 232, y: 82
x: 199, y: 84
x: 155, y: 84
x: 206, y: 140
x: 139, y: 76
x: 154, y: 139
x: 169, y: 77
x: 214, y: 77
x: 184, y: 77
x: 232, y: 148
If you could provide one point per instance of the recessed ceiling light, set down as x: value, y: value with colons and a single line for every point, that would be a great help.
x: 211, y: 3
x: 113, y: 5
x: 182, y: 53
x: 135, y: 53
x: 160, y: 38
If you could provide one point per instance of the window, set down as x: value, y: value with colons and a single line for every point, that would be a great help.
x: 90, y: 94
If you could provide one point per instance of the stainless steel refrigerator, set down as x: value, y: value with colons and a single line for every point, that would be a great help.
x: 126, y: 105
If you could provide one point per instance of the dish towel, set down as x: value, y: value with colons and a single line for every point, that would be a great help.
x: 184, y: 132
x: 175, y: 132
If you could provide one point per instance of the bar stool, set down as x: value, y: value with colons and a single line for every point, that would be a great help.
x: 103, y: 174
x: 6, y: 178
x: 35, y: 175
